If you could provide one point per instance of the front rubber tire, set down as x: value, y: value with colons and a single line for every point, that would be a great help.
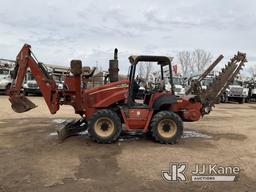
x: 166, y: 127
x: 223, y: 99
x: 241, y: 101
x: 25, y: 93
x: 104, y: 126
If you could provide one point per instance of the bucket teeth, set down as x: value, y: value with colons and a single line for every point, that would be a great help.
x: 225, y: 77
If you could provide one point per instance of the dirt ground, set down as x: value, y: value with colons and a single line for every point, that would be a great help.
x: 31, y: 159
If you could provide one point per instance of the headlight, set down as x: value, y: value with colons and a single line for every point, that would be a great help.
x: 25, y: 86
x: 3, y: 82
x: 60, y: 86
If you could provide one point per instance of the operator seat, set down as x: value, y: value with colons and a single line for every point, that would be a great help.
x: 147, y: 98
x: 134, y: 94
x: 135, y: 89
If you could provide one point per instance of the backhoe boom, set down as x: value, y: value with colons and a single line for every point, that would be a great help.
x: 45, y: 82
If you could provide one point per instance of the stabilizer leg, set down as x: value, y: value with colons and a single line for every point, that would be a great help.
x: 71, y: 129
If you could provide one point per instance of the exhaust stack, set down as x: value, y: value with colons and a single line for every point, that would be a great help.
x: 113, y: 67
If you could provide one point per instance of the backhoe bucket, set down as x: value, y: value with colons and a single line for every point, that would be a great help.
x: 21, y: 104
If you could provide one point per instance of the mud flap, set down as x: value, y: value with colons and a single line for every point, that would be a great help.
x: 21, y: 104
x: 72, y: 128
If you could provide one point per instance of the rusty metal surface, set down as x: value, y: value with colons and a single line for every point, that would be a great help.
x: 21, y: 104
x: 220, y: 82
x: 211, y: 67
x: 195, y: 87
x: 76, y: 67
x: 113, y: 67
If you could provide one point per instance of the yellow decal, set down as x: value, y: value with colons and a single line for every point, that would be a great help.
x: 111, y: 88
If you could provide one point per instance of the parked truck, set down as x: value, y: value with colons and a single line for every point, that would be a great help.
x: 30, y: 86
x: 236, y: 92
x: 5, y: 79
x: 250, y: 84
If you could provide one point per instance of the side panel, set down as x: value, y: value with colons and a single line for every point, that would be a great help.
x: 188, y: 110
x: 103, y: 96
x: 109, y: 98
x: 106, y: 95
x: 136, y: 118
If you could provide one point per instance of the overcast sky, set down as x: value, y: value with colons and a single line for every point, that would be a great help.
x: 61, y: 30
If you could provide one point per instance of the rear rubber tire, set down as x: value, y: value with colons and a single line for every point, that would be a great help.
x: 104, y: 119
x: 25, y: 93
x: 218, y: 100
x: 223, y: 99
x: 175, y: 127
x: 242, y: 101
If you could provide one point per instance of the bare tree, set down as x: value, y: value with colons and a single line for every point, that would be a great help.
x: 252, y: 70
x: 194, y: 62
x: 141, y: 70
x: 201, y: 59
x: 148, y: 69
x: 184, y: 59
x: 144, y: 70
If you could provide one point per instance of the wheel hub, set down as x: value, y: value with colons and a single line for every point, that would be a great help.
x: 166, y: 127
x: 104, y: 126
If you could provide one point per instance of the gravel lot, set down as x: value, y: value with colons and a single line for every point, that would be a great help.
x: 31, y: 159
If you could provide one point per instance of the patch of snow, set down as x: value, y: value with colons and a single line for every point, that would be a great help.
x: 83, y: 133
x: 194, y: 134
x: 53, y: 134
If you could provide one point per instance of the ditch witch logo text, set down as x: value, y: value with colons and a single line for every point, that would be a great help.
x: 201, y: 172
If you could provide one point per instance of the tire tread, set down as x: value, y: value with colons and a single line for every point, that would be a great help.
x: 111, y: 114
x: 159, y: 116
